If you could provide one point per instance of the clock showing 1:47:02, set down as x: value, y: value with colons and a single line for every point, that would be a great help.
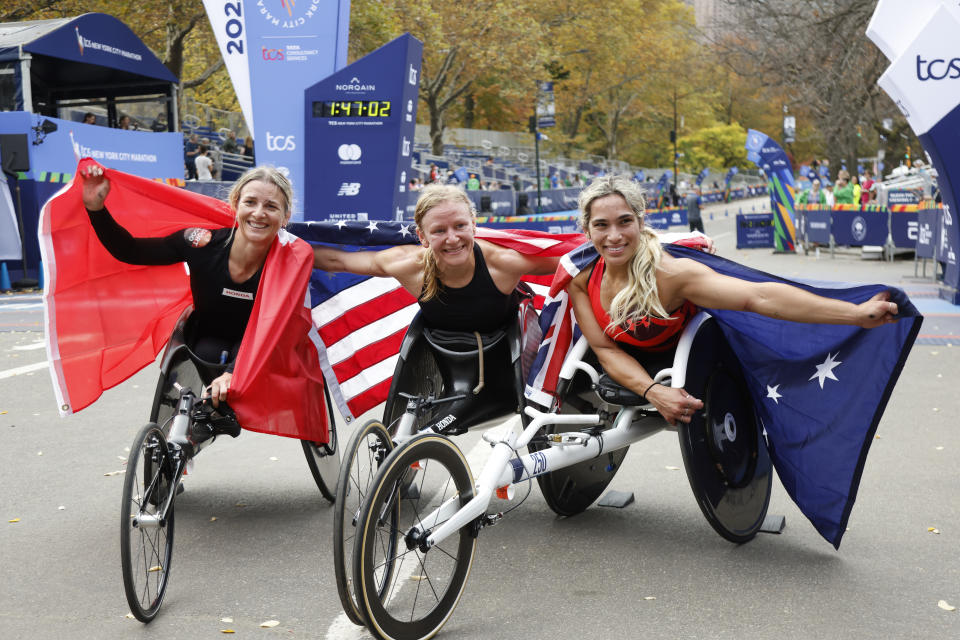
x: 352, y: 109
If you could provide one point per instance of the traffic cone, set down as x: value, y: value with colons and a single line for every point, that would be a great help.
x: 5, y: 284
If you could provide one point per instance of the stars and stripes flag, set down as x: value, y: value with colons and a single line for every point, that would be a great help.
x: 362, y: 319
x: 818, y: 389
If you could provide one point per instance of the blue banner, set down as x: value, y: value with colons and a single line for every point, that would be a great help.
x: 904, y: 228
x: 359, y: 134
x: 816, y: 226
x: 274, y: 49
x: 928, y: 232
x: 859, y: 228
x: 754, y: 230
x: 142, y: 153
x: 773, y: 161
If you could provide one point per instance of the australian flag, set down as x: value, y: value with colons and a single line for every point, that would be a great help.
x: 819, y: 389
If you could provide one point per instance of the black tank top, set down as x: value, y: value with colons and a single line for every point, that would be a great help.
x: 479, y: 306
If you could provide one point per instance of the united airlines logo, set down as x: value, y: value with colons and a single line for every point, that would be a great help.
x: 288, y: 14
x: 349, y: 189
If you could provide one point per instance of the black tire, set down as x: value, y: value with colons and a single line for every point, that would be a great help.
x: 146, y: 551
x: 324, y: 458
x: 369, y: 446
x: 724, y: 453
x: 397, y: 604
x: 570, y: 490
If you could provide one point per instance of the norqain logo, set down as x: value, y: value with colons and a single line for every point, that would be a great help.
x: 937, y: 69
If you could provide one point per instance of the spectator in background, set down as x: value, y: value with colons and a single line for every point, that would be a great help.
x: 230, y: 145
x: 516, y: 182
x: 204, y: 165
x: 434, y: 174
x: 159, y: 123
x: 190, y: 150
x: 555, y: 180
x: 248, y: 147
x: 124, y: 123
x: 813, y: 195
x: 473, y: 182
x: 693, y: 210
x: 857, y: 190
x: 843, y: 194
x: 89, y: 118
x: 828, y: 198
x: 865, y: 194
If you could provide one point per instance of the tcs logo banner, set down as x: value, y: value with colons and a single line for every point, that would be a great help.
x: 272, y: 54
x: 281, y: 143
x: 937, y: 69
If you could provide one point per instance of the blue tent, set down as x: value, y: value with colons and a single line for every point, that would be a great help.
x: 46, y: 64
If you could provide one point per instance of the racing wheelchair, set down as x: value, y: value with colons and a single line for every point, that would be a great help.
x: 444, y: 382
x: 181, y: 425
x: 416, y: 534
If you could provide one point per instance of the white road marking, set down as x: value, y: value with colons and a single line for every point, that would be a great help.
x: 9, y: 373
x: 342, y: 628
x: 30, y: 347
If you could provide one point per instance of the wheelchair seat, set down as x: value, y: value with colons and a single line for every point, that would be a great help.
x: 613, y: 393
x: 180, y: 364
x: 443, y: 363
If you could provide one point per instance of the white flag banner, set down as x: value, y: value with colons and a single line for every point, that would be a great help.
x: 228, y: 24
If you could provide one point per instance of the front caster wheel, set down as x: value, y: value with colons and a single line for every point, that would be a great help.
x: 407, y: 592
x: 146, y: 529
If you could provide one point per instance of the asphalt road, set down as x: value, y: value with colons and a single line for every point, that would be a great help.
x: 252, y: 531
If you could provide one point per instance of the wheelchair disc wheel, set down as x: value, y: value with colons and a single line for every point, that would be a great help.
x: 407, y: 592
x: 146, y: 541
x: 724, y: 453
x: 324, y: 458
x: 368, y: 448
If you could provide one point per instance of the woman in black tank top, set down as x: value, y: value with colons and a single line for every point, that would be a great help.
x: 461, y: 283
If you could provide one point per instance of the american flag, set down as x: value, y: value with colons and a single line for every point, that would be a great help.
x: 818, y: 389
x: 362, y: 319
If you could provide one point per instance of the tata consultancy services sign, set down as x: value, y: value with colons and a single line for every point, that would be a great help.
x: 359, y: 136
x: 273, y: 50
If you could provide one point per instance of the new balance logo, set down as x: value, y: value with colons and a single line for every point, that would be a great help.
x: 349, y: 189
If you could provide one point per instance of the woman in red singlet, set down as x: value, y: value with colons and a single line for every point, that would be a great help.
x: 637, y: 299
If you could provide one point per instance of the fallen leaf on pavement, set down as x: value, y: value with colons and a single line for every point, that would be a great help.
x: 673, y: 468
x: 14, y: 520
x: 227, y: 620
x: 269, y: 624
x: 943, y: 604
x: 933, y: 530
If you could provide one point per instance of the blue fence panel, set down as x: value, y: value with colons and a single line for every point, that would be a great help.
x: 859, y: 228
x: 903, y: 229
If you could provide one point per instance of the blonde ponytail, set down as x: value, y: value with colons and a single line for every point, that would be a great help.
x: 431, y: 275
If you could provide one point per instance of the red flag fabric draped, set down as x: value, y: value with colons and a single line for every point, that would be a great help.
x: 105, y: 320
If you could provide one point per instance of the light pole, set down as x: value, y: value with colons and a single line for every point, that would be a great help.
x: 673, y: 135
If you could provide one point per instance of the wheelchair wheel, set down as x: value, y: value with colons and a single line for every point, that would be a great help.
x: 146, y: 541
x: 724, y: 453
x: 570, y: 490
x: 406, y: 592
x: 417, y: 374
x: 324, y: 458
x: 368, y: 448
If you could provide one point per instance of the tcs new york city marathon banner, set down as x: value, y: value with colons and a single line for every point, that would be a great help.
x: 769, y: 156
x: 923, y: 79
x: 273, y: 50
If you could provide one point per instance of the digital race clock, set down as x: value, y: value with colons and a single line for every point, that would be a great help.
x: 352, y: 109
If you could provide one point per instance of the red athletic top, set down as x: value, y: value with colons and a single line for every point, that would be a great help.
x: 650, y: 334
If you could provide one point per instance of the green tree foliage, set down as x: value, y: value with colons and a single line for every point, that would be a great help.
x: 719, y: 146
